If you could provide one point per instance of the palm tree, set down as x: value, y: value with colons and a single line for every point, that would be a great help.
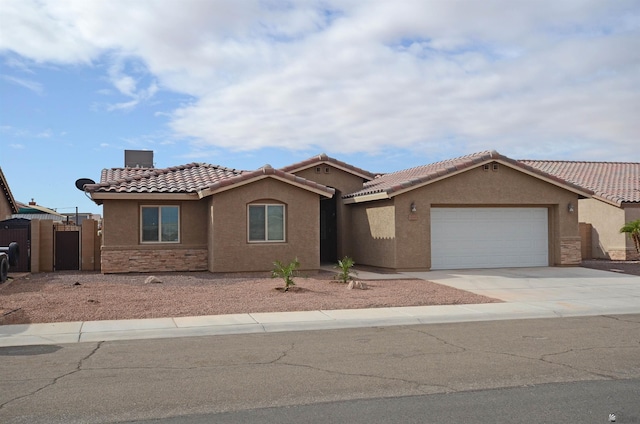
x: 633, y: 229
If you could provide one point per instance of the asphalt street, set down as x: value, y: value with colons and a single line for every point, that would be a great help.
x: 185, y: 378
x: 578, y: 402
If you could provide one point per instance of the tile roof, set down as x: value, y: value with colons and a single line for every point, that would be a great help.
x: 191, y: 178
x: 405, y: 179
x: 188, y: 178
x: 268, y: 170
x: 616, y: 182
x: 323, y: 158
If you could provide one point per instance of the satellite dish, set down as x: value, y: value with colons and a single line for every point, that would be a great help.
x: 82, y: 182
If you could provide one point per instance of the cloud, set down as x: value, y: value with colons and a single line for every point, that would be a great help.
x: 31, y: 85
x: 348, y: 77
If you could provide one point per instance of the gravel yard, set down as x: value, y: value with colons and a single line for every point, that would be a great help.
x: 89, y: 296
x: 85, y: 296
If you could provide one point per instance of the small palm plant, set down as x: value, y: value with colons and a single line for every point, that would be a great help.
x: 633, y: 230
x: 286, y: 272
x: 344, y: 265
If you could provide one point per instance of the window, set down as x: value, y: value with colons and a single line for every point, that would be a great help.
x: 266, y: 223
x: 160, y: 224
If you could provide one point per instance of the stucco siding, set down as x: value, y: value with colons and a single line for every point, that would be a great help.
x: 228, y: 238
x: 5, y: 209
x: 374, y: 234
x: 606, y: 220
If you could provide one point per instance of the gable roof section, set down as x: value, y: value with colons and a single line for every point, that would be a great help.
x: 392, y: 184
x: 188, y: 182
x: 266, y: 172
x: 6, y: 192
x: 324, y: 159
x: 612, y: 182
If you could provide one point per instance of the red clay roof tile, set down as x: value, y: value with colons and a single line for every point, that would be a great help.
x: 618, y: 182
x: 400, y: 180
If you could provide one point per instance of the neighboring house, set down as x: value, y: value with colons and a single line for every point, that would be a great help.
x: 34, y: 211
x: 616, y: 201
x: 80, y: 217
x: 478, y: 211
x: 8, y: 204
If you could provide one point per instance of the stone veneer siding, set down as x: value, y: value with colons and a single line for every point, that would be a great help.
x: 145, y: 260
x: 570, y: 251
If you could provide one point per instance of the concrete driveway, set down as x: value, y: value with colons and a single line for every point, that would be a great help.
x: 567, y: 291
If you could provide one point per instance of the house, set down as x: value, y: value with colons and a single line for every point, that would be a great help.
x: 34, y: 211
x: 8, y: 204
x: 477, y: 211
x: 616, y: 201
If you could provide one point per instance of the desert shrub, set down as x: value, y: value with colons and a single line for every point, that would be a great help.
x: 344, y: 266
x: 286, y: 272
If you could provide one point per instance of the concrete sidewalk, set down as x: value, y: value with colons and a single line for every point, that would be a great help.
x: 527, y: 292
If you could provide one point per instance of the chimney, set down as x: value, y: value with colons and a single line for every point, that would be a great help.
x: 138, y: 158
x: 32, y: 202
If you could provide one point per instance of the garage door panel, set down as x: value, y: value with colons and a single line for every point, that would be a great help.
x: 488, y: 237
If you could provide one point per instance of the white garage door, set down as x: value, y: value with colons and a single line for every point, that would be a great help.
x: 489, y: 237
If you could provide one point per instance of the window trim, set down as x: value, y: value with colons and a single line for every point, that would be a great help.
x: 159, y: 241
x: 266, y: 223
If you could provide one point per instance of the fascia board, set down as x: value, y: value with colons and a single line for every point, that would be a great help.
x: 334, y: 165
x: 507, y: 164
x: 209, y: 192
x: 143, y: 196
x: 383, y: 195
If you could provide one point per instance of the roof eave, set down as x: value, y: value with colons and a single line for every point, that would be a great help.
x: 100, y: 196
x: 382, y: 195
x: 335, y: 165
x: 321, y: 190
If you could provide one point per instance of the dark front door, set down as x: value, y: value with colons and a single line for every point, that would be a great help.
x: 67, y: 256
x: 328, y: 230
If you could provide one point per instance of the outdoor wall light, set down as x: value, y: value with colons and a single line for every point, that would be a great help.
x: 570, y: 207
x: 413, y: 207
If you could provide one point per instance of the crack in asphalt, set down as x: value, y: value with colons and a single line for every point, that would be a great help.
x: 542, y: 358
x: 617, y: 318
x: 440, y: 339
x: 415, y: 384
x: 56, y: 379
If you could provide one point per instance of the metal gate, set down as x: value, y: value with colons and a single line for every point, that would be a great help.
x: 18, y: 230
x: 67, y: 251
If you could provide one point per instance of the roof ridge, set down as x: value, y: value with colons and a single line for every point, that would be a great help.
x: 576, y: 161
x: 479, y: 155
x: 323, y: 157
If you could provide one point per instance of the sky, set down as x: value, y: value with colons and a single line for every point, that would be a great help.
x: 382, y: 85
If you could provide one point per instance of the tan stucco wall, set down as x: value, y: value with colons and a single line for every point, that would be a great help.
x: 230, y: 249
x: 5, y: 208
x: 606, y: 220
x: 344, y: 183
x: 411, y: 247
x: 122, y: 250
x: 45, y: 246
x: 90, y: 258
x: 374, y: 234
